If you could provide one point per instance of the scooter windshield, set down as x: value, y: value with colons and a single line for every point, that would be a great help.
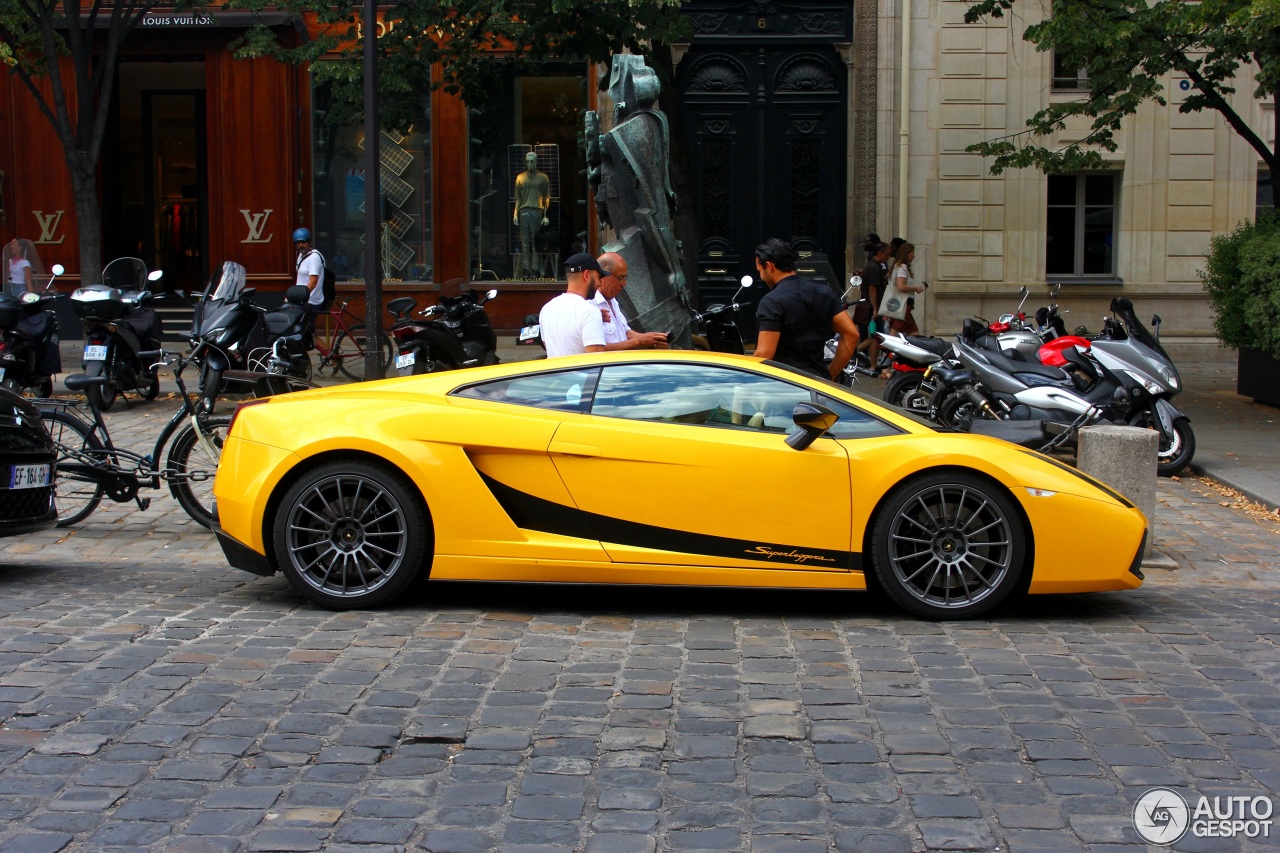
x: 226, y: 284
x: 125, y: 274
x: 1123, y: 308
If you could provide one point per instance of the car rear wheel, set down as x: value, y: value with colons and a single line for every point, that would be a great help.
x: 352, y: 534
x: 948, y: 546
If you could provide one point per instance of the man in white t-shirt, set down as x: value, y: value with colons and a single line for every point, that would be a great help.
x: 571, y: 323
x: 618, y: 333
x: 310, y: 268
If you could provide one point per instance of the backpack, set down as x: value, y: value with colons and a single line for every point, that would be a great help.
x: 328, y: 283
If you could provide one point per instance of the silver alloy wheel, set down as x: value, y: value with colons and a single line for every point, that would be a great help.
x: 950, y: 546
x: 347, y: 535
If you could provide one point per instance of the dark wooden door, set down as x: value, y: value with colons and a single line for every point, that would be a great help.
x: 765, y: 130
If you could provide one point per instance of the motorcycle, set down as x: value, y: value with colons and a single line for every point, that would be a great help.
x: 453, y: 334
x: 1125, y: 378
x: 230, y: 333
x: 719, y: 328
x: 29, y: 355
x: 119, y: 323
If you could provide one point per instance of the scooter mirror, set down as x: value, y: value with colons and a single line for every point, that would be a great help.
x: 1023, y: 291
x: 155, y: 275
x: 746, y: 281
x: 855, y: 281
x: 492, y: 294
x: 59, y: 269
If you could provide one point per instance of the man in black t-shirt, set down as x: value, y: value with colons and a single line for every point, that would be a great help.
x: 797, y: 316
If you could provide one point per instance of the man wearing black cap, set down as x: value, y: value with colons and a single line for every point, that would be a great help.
x: 571, y: 323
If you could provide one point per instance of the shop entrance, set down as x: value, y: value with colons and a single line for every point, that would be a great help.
x: 764, y: 126
x: 154, y: 181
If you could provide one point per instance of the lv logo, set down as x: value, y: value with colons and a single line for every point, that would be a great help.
x: 49, y: 226
x: 257, y: 223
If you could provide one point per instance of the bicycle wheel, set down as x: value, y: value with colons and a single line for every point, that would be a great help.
x: 75, y: 496
x: 349, y: 349
x: 189, y: 456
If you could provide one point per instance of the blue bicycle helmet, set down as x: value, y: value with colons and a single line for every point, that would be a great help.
x: 302, y: 235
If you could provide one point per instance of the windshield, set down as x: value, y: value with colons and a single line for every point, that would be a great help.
x: 125, y: 274
x: 226, y: 284
x: 1123, y: 309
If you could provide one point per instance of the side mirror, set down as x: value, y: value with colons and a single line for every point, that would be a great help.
x: 1023, y: 290
x: 855, y: 281
x: 746, y: 281
x: 492, y: 294
x: 1155, y: 319
x: 155, y: 275
x: 59, y: 269
x: 813, y: 419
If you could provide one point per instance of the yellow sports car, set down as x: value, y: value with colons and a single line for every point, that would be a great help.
x: 653, y: 468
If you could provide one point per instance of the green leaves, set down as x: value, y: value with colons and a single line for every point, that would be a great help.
x: 455, y: 45
x: 1242, y: 277
x: 1130, y: 49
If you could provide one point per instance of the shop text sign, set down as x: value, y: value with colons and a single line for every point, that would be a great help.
x: 187, y: 20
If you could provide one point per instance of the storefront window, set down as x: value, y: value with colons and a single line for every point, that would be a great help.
x: 528, y: 188
x: 339, y: 175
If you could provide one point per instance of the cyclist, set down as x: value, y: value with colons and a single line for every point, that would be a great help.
x: 310, y: 266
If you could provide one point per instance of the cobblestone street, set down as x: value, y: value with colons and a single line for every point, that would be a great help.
x: 153, y: 698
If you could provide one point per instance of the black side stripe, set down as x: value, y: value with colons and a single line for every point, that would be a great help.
x: 530, y: 512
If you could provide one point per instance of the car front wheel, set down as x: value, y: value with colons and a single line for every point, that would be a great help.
x: 352, y: 534
x: 948, y: 546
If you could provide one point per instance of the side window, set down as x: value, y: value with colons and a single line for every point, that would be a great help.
x: 854, y: 423
x: 563, y: 390
x: 697, y: 394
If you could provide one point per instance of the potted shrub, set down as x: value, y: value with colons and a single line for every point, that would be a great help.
x: 1242, y: 277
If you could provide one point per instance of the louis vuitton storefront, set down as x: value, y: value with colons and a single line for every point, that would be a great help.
x: 208, y: 158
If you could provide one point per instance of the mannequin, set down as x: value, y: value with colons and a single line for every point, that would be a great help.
x: 533, y: 196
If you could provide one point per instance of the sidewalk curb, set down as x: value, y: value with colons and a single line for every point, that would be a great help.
x: 1254, y: 496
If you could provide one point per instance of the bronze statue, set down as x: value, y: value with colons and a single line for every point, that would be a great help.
x: 533, y: 195
x: 628, y: 169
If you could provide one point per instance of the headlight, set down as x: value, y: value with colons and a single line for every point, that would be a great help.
x: 1152, y: 387
x: 1169, y: 375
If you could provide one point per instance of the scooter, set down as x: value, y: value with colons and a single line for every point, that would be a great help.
x: 454, y: 334
x: 1127, y: 378
x: 119, y: 323
x: 29, y: 355
x: 719, y: 327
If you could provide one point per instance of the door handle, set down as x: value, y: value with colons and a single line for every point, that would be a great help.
x: 567, y: 448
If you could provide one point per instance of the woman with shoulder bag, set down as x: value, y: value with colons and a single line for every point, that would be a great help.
x: 897, y: 301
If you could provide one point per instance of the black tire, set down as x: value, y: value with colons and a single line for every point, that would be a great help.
x: 102, y: 397
x: 957, y: 411
x: 325, y: 530
x: 75, y: 497
x: 152, y: 389
x: 955, y: 525
x: 349, y: 349
x: 902, y: 382
x: 44, y: 388
x: 1176, y: 453
x: 188, y: 456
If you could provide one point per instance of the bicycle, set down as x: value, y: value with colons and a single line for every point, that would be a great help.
x: 341, y: 346
x: 90, y: 466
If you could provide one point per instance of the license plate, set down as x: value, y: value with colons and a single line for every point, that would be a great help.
x: 28, y: 476
x: 405, y: 359
x: 529, y: 333
x: 95, y: 353
x: 1, y: 374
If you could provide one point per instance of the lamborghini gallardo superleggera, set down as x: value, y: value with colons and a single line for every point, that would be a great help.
x: 660, y: 468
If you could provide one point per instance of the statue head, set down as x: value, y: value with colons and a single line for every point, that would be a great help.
x: 531, y: 161
x: 633, y: 86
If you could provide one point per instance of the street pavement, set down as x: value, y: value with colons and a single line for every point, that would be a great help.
x: 153, y: 698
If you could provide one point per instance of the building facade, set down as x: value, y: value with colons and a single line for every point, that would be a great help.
x: 816, y: 121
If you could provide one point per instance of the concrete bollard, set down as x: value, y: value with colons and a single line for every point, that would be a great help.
x: 1125, y: 458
